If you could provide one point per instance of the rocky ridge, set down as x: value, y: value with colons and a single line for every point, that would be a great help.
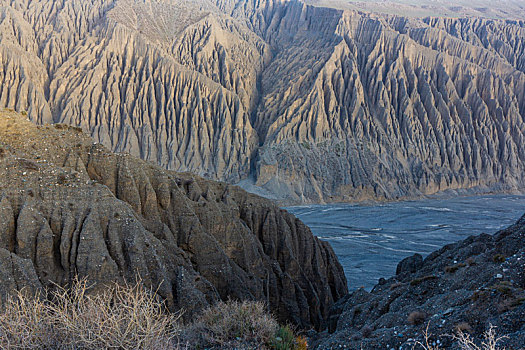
x: 469, y: 285
x: 495, y: 9
x: 311, y: 104
x: 70, y: 207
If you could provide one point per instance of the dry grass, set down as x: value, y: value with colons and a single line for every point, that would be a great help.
x: 233, y: 325
x: 120, y: 317
x: 132, y: 317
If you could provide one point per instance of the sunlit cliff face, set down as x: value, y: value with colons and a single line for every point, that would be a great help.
x: 312, y: 104
x: 499, y: 9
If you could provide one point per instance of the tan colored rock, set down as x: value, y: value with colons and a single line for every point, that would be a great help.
x: 120, y: 217
x: 312, y: 104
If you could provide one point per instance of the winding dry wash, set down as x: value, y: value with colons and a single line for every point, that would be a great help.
x: 311, y: 104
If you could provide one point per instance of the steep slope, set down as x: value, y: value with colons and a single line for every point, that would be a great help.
x: 141, y: 77
x: 492, y: 9
x: 471, y: 284
x: 312, y: 104
x: 400, y: 107
x: 69, y: 207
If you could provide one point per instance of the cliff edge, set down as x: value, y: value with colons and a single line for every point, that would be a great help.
x: 70, y: 207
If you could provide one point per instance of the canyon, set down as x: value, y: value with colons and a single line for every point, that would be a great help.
x: 303, y: 103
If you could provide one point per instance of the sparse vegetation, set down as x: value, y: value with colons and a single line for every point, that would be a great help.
x: 498, y: 258
x: 366, y: 331
x: 416, y: 317
x: 420, y: 280
x: 503, y: 287
x: 133, y: 317
x: 123, y: 317
x: 28, y: 164
x: 479, y: 295
x: 509, y: 303
x: 61, y: 179
x: 454, y: 268
x: 463, y: 327
x: 395, y: 285
x: 306, y: 145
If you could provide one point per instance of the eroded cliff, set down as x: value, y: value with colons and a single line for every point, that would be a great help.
x: 312, y: 104
x: 70, y: 207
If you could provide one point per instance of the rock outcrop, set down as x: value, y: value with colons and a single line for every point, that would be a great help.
x: 469, y: 285
x: 70, y: 207
x: 312, y: 104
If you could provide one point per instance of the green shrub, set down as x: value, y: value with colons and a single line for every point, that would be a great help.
x: 284, y: 339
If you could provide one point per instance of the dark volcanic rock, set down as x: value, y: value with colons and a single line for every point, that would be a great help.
x: 471, y: 284
x: 410, y: 264
x: 69, y: 207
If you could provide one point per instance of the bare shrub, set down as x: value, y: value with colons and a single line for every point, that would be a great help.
x: 24, y: 323
x: 465, y: 341
x: 121, y: 317
x: 427, y: 344
x: 233, y: 324
x: 490, y: 341
x: 416, y: 317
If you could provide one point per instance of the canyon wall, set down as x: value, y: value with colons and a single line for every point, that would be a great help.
x: 309, y: 104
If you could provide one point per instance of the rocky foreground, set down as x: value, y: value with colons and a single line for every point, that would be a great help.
x: 70, y: 207
x: 468, y: 286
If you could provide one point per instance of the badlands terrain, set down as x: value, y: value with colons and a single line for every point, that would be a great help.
x: 69, y: 207
x: 495, y: 9
x: 303, y: 103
